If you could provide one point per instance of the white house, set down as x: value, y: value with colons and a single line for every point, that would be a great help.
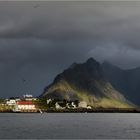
x: 89, y: 107
x: 73, y: 105
x: 57, y: 106
x: 28, y: 97
x: 82, y: 104
x: 11, y: 102
x: 48, y: 101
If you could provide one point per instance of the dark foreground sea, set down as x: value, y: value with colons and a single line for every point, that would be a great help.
x: 69, y: 126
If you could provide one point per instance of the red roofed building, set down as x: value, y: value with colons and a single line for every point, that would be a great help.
x: 25, y: 106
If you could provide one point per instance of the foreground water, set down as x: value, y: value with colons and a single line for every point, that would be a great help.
x: 66, y: 126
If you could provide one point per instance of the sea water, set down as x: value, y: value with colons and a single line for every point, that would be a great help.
x: 69, y: 125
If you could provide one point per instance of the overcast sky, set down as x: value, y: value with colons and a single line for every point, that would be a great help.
x: 38, y: 40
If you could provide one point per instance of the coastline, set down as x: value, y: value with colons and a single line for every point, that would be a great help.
x: 136, y: 110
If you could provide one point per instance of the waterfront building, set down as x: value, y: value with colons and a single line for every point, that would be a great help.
x: 82, y: 104
x: 25, y: 106
x: 73, y: 105
x: 57, y: 106
x: 11, y: 102
x: 49, y: 101
x: 89, y: 107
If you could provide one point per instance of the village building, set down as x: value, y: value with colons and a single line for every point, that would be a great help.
x: 57, y: 106
x: 73, y: 105
x: 82, y: 104
x: 49, y: 101
x: 67, y: 105
x: 89, y: 107
x: 25, y: 106
x: 11, y: 102
x: 28, y: 97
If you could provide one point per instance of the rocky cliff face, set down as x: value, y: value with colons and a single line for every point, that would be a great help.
x: 86, y: 82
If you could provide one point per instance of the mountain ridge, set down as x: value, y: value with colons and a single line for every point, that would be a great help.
x: 86, y: 82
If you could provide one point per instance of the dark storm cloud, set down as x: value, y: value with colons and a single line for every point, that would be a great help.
x: 38, y: 42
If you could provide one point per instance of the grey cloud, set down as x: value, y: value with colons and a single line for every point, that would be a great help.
x: 37, y: 43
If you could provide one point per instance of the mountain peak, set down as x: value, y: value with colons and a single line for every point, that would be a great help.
x: 73, y: 65
x: 92, y: 62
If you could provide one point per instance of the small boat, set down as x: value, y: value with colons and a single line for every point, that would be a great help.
x: 40, y: 111
x: 16, y: 110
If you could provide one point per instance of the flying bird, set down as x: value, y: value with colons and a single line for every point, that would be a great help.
x: 23, y: 80
x: 36, y: 6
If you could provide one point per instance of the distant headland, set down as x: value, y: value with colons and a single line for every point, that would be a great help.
x: 84, y: 87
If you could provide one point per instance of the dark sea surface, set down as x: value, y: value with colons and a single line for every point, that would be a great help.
x: 69, y: 125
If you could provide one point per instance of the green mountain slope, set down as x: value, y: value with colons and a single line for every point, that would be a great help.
x: 86, y: 82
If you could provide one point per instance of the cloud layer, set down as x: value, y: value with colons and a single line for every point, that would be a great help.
x: 40, y: 39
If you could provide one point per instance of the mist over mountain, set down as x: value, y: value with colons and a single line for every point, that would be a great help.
x: 86, y: 82
x: 125, y: 81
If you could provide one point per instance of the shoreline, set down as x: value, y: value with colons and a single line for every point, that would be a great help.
x: 136, y: 110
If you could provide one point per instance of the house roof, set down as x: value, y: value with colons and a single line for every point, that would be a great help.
x: 25, y: 103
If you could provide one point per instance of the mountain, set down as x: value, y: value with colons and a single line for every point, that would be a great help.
x: 125, y: 81
x: 86, y: 82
